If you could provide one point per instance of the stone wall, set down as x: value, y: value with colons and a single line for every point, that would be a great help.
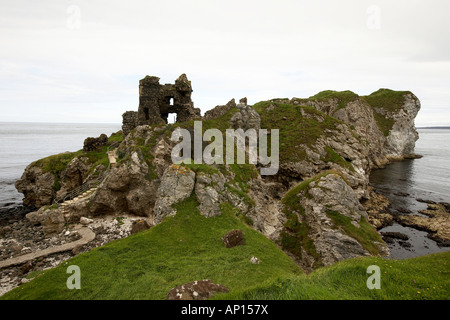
x: 129, y: 122
x: 94, y: 144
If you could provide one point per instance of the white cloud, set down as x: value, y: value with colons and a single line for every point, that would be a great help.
x: 258, y: 49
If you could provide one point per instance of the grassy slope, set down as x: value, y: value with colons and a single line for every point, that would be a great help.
x: 147, y: 265
x: 420, y: 278
x: 187, y: 247
x: 296, y: 130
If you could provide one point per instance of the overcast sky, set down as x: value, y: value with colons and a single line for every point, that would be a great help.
x: 81, y: 61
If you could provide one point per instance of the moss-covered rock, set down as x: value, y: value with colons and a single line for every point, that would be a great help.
x: 326, y: 223
x: 53, y: 177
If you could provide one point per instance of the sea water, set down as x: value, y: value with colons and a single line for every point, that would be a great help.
x: 425, y: 178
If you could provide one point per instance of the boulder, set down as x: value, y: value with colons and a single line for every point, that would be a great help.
x: 73, y: 176
x: 233, y: 238
x: 139, y: 226
x: 209, y: 190
x: 52, y: 220
x: 176, y: 185
x: 197, y: 290
x: 85, y: 221
x: 36, y: 186
x: 94, y: 144
x: 126, y: 189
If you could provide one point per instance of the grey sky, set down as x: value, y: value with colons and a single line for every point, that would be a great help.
x: 81, y: 60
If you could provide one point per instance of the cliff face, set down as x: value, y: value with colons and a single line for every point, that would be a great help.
x: 383, y: 120
x: 311, y: 207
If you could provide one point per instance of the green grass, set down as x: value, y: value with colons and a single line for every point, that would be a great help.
x: 116, y: 137
x: 187, y: 247
x: 384, y: 123
x: 385, y: 101
x: 333, y: 156
x: 243, y: 173
x: 422, y: 278
x: 201, y: 168
x: 296, y: 130
x: 56, y: 164
x: 343, y: 97
x: 183, y: 248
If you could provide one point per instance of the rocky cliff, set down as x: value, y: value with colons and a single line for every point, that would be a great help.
x: 311, y: 207
x: 51, y: 178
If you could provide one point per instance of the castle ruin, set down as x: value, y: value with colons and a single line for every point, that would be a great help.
x: 157, y: 101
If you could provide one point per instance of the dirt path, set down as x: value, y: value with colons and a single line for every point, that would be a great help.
x: 87, y: 235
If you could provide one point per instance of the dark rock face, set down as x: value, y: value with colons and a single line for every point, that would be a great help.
x: 37, y: 186
x: 156, y: 101
x: 233, y: 238
x: 94, y: 144
x: 197, y: 290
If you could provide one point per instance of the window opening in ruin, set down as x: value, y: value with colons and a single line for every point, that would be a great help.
x: 171, y: 101
x: 172, y: 118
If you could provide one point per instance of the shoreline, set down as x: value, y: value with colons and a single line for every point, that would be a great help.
x: 20, y: 239
x: 412, y: 233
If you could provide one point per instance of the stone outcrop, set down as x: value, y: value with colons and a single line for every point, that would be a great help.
x: 74, y: 175
x: 210, y: 189
x: 125, y: 189
x: 52, y: 221
x: 36, y: 186
x: 322, y: 215
x: 219, y: 111
x: 176, y: 185
x: 246, y: 117
x: 50, y: 179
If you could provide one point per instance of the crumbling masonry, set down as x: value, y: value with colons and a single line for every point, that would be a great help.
x: 156, y: 101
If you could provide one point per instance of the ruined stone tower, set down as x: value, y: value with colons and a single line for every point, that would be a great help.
x: 156, y: 101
